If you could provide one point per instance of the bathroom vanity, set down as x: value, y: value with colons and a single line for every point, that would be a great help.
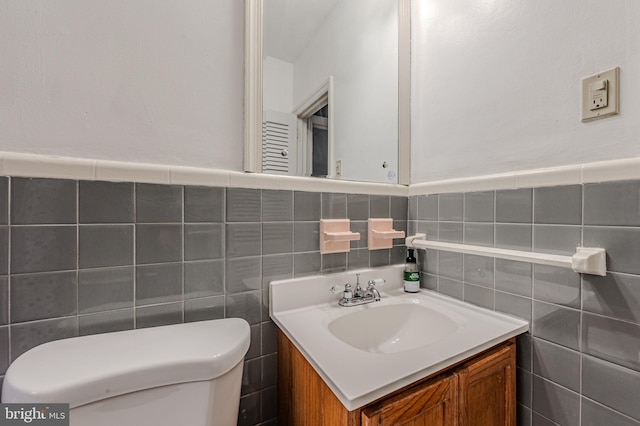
x: 409, y: 358
x: 477, y: 391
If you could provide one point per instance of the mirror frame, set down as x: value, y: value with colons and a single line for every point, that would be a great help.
x: 253, y: 89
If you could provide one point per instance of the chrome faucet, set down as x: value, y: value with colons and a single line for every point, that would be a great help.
x: 358, y: 296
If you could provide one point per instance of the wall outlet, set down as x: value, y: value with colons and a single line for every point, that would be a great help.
x: 338, y: 168
x: 601, y: 94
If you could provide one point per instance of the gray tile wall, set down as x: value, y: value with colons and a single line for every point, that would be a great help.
x: 580, y: 363
x: 85, y: 257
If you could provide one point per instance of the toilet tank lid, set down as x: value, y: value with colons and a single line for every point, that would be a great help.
x: 81, y: 370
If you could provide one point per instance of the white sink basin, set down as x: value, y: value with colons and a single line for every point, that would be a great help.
x: 391, y: 328
x: 366, y: 352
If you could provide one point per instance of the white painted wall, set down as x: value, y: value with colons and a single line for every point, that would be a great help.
x: 277, y: 91
x: 496, y: 84
x: 143, y: 81
x: 358, y: 45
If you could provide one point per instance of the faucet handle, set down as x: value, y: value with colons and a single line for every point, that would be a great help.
x: 376, y: 282
x: 337, y: 289
x: 346, y: 291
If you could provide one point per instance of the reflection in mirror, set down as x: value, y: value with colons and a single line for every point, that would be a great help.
x: 330, y: 88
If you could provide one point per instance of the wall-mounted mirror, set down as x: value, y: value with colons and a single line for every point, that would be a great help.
x: 327, y: 87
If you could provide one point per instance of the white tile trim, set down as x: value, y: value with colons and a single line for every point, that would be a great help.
x: 49, y: 166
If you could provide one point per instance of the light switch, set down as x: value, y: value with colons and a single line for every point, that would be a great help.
x: 600, y: 95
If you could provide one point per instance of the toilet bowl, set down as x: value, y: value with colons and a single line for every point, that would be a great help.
x: 183, y: 374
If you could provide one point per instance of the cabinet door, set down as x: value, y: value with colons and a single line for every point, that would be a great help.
x: 434, y: 403
x: 487, y: 389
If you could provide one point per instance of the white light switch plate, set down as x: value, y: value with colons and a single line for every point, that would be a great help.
x: 611, y: 99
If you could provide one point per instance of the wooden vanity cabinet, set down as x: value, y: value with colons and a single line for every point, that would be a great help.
x: 478, y: 391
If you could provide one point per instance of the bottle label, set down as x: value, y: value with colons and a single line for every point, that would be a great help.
x: 411, y: 281
x: 411, y: 276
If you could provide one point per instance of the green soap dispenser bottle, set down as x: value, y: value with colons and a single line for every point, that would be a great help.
x: 411, y: 274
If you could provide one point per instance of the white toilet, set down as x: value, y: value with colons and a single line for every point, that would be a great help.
x: 184, y: 374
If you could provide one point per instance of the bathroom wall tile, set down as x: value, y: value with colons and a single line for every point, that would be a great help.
x: 429, y: 281
x: 622, y: 245
x: 428, y: 261
x: 334, y: 262
x: 278, y: 267
x: 358, y: 258
x: 158, y: 203
x: 480, y: 296
x: 4, y: 201
x: 277, y: 238
x: 269, y: 370
x: 43, y: 201
x: 379, y: 206
x: 594, y: 414
x: 514, y: 277
x: 357, y: 207
x: 157, y: 315
x: 478, y: 270
x: 557, y: 363
x: 558, y: 205
x: 28, y: 335
x: 615, y: 295
x: 514, y: 236
x: 612, y: 203
x: 269, y: 403
x: 203, y: 278
x: 4, y: 250
x: 430, y: 228
x: 306, y: 236
x: 556, y: 285
x: 612, y: 385
x: 556, y: 324
x: 334, y: 206
x: 158, y: 243
x: 243, y: 205
x: 555, y: 402
x: 43, y: 248
x: 524, y: 387
x: 41, y: 296
x: 158, y: 283
x: 398, y: 255
x: 400, y: 225
x: 379, y: 258
x: 243, y: 239
x: 305, y: 264
x: 306, y: 205
x: 4, y: 301
x: 479, y: 206
x: 523, y: 415
x: 105, y: 289
x: 269, y: 335
x: 451, y: 232
x: 243, y: 274
x: 105, y: 245
x: 412, y: 227
x: 249, y: 410
x: 450, y: 207
x: 412, y: 209
x: 524, y: 351
x: 106, y: 322
x: 428, y: 207
x: 264, y: 305
x: 203, y: 204
x: 451, y: 288
x: 204, y: 241
x: 106, y: 202
x: 254, y: 342
x: 556, y: 239
x: 277, y: 206
x: 360, y: 226
x: 610, y: 339
x: 4, y: 349
x: 479, y: 234
x: 207, y: 308
x: 514, y: 206
x: 399, y: 208
x: 244, y: 305
x: 513, y: 305
x: 450, y: 265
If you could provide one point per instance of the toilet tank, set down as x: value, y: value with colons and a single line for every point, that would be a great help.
x: 84, y: 371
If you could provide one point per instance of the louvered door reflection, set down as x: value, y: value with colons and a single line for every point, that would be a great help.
x: 279, y: 143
